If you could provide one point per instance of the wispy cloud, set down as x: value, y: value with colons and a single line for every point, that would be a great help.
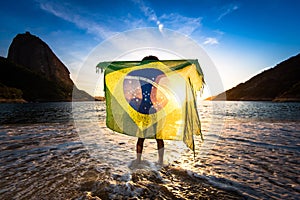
x: 66, y: 13
x: 227, y: 10
x: 211, y: 41
x: 182, y: 24
x: 131, y: 22
x: 149, y: 13
x: 101, y: 29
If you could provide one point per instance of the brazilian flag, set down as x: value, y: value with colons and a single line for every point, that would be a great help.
x: 153, y: 99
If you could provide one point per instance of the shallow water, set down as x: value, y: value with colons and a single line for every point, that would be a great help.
x: 56, y: 151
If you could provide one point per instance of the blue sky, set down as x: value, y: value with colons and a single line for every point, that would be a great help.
x: 241, y: 37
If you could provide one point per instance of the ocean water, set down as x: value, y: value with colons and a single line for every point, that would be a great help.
x: 251, y: 150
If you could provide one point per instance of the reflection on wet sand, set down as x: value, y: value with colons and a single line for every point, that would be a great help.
x: 250, y: 159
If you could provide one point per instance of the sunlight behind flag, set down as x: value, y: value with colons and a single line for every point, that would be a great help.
x: 153, y: 99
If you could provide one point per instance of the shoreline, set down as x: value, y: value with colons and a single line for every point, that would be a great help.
x: 17, y: 101
x: 103, y: 100
x: 13, y: 101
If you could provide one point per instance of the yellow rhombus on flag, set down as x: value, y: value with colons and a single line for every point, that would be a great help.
x: 153, y: 99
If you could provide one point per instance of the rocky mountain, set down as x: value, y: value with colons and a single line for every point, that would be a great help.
x: 34, y: 73
x: 280, y: 83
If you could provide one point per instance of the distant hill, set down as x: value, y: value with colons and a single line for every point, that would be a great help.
x: 280, y: 83
x: 32, y: 72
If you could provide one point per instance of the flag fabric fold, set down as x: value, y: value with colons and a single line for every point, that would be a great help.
x: 153, y: 99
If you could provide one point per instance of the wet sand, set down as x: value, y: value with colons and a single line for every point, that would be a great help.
x: 49, y: 161
x: 251, y: 153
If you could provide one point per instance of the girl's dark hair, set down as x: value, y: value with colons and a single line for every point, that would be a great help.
x: 150, y: 58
